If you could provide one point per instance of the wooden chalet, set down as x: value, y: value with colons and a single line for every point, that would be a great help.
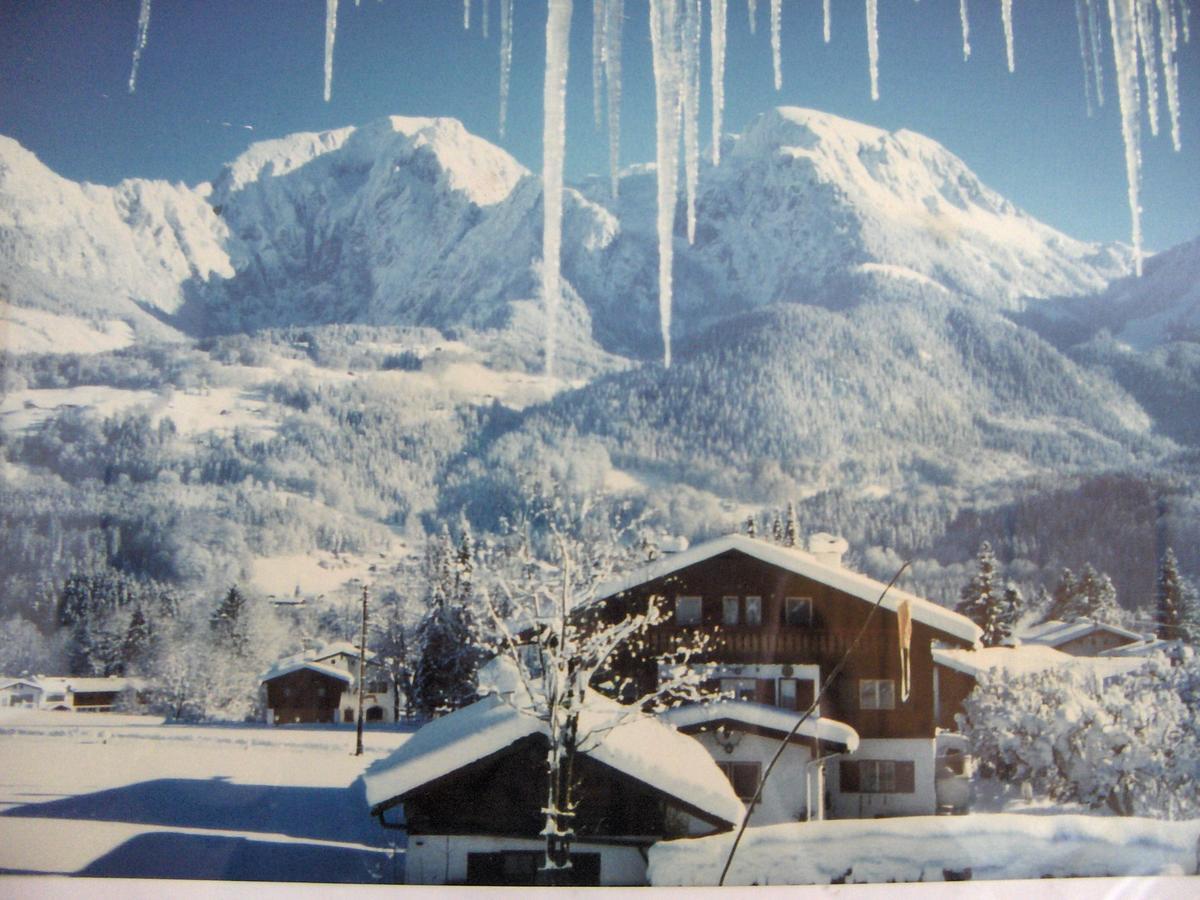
x: 778, y: 621
x: 1082, y: 637
x: 472, y: 785
x: 321, y: 686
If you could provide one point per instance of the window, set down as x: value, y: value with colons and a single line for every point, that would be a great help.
x: 876, y: 693
x: 729, y: 610
x: 740, y: 688
x: 687, y: 610
x: 797, y: 611
x: 744, y: 776
x: 377, y: 687
x: 795, y: 693
x: 754, y: 610
x: 877, y: 776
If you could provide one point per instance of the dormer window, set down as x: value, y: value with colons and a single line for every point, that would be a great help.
x: 688, y: 610
x: 797, y: 611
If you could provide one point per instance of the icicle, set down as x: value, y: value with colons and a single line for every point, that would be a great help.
x: 1169, y: 41
x: 827, y: 16
x: 598, y: 61
x: 1149, y: 58
x: 1006, y: 16
x: 691, y: 109
x: 466, y: 15
x: 1085, y: 54
x: 1123, y: 20
x: 873, y: 45
x: 966, y: 29
x: 613, y: 22
x: 777, y: 41
x: 1097, y: 48
x: 752, y: 12
x: 506, y: 36
x: 483, y: 19
x: 718, y: 11
x: 143, y: 30
x: 664, y: 40
x: 554, y: 134
x: 330, y: 35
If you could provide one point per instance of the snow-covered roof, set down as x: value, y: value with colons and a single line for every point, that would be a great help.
x: 1055, y: 633
x: 339, y: 647
x: 639, y: 746
x: 768, y: 718
x: 6, y: 683
x: 1028, y: 659
x: 1143, y: 647
x: 77, y: 685
x: 806, y: 565
x: 294, y: 664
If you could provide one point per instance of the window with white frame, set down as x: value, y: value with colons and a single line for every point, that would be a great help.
x: 876, y: 693
x: 877, y: 776
x: 688, y: 610
x: 754, y: 610
x: 797, y: 611
x: 730, y: 609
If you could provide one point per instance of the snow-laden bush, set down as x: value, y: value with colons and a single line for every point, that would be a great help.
x: 1131, y: 744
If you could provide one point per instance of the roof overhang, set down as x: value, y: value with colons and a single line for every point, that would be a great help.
x: 769, y: 721
x: 289, y: 668
x: 805, y: 565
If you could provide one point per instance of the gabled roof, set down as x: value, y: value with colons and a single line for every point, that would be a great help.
x: 82, y: 684
x: 808, y: 566
x: 761, y: 717
x: 288, y: 666
x: 639, y: 746
x: 1028, y: 659
x: 1055, y: 633
x: 6, y: 683
x: 339, y: 647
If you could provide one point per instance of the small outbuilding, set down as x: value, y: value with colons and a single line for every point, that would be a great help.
x: 469, y: 788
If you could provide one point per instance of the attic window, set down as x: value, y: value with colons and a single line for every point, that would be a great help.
x: 688, y: 610
x: 730, y: 608
x: 797, y: 611
x: 754, y: 610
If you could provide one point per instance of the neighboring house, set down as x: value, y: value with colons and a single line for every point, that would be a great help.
x: 322, y: 686
x: 956, y: 672
x: 1083, y: 637
x: 472, y: 785
x: 779, y: 620
x: 85, y: 694
x: 24, y: 693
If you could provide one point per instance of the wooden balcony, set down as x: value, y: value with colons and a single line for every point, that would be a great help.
x: 747, y: 645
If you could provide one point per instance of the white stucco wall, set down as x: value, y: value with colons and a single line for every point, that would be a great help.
x: 785, y: 794
x: 921, y: 802
x: 442, y: 859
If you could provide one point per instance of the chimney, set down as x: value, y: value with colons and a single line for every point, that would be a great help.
x: 827, y: 548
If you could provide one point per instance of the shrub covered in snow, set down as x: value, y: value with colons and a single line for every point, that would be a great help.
x: 1131, y: 744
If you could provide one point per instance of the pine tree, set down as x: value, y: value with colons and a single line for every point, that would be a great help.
x: 982, y: 601
x: 777, y: 528
x: 136, y: 645
x: 228, y: 622
x: 1177, y: 616
x: 751, y: 527
x: 791, y: 530
x: 445, y: 674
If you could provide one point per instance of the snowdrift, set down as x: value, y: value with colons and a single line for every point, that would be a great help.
x: 934, y: 848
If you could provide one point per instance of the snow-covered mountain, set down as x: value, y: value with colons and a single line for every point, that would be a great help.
x: 124, y: 254
x: 417, y: 221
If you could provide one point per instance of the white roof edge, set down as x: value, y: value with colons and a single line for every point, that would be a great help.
x: 278, y: 671
x: 760, y: 715
x: 800, y: 563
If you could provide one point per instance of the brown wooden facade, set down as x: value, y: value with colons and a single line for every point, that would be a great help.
x: 304, y: 696
x: 504, y: 794
x: 836, y: 619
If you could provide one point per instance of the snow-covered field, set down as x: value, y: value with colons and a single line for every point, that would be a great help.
x: 130, y: 796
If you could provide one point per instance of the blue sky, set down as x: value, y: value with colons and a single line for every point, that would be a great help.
x: 64, y: 67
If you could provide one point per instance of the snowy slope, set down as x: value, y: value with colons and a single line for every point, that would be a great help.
x: 126, y: 252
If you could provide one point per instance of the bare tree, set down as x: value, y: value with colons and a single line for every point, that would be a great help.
x: 558, y: 642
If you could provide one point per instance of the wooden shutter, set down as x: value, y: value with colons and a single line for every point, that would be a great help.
x: 848, y: 775
x: 765, y: 691
x: 804, y: 694
x: 905, y: 777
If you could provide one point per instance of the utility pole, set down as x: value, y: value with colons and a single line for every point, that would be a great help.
x: 362, y: 665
